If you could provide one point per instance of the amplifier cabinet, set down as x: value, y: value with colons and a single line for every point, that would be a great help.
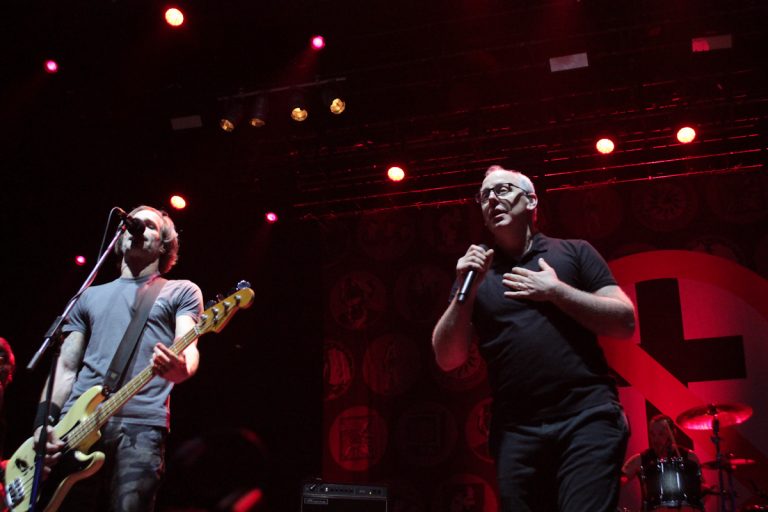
x: 327, y: 497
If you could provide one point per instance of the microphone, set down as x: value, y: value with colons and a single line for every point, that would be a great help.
x: 469, y: 280
x: 133, y: 225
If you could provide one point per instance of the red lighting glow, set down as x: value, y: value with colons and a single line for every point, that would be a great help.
x: 174, y: 17
x: 686, y: 134
x: 178, y: 202
x: 605, y: 146
x: 51, y: 66
x: 318, y: 42
x: 395, y: 173
x: 271, y: 217
x: 80, y: 261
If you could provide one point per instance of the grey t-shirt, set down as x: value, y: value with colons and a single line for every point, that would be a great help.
x: 103, y: 313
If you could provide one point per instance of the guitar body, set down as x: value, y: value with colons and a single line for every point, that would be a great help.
x: 75, y: 464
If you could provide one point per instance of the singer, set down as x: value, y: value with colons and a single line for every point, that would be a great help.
x: 134, y: 439
x: 536, y: 304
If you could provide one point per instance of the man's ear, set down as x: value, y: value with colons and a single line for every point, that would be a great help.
x: 533, y: 201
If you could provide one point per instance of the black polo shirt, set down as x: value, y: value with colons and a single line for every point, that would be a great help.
x: 542, y: 364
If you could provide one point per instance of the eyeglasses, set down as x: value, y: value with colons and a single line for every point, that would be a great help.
x: 500, y: 190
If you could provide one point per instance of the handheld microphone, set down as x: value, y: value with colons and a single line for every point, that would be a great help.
x: 469, y: 280
x: 133, y: 225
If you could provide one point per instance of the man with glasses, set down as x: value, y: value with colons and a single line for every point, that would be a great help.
x: 558, y: 433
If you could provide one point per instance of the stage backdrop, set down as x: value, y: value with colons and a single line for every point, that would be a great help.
x: 692, y: 253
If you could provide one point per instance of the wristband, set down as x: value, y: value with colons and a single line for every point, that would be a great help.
x: 40, y: 416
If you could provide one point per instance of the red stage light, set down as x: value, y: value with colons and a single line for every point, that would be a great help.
x: 605, y: 146
x: 318, y: 42
x: 51, y: 66
x: 174, y: 17
x: 178, y: 202
x: 395, y: 173
x: 686, y: 134
x: 271, y: 217
x: 80, y: 261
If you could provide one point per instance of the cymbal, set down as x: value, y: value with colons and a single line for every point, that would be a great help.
x: 701, y: 417
x: 733, y: 462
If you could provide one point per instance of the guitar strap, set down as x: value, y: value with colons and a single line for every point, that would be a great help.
x: 145, y: 298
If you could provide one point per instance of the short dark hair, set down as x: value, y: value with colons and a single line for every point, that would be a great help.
x: 170, y: 238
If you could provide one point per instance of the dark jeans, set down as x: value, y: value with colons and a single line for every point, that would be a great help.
x: 130, y: 477
x: 570, y: 465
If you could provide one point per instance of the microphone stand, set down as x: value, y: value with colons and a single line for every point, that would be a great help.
x: 54, y: 336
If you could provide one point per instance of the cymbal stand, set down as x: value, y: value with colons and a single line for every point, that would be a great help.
x: 720, y: 467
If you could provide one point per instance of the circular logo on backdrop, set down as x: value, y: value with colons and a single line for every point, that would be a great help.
x: 422, y: 292
x: 716, y: 246
x: 591, y: 213
x: 338, y: 370
x: 358, y: 299
x: 386, y: 236
x: 465, y: 493
x: 740, y: 198
x: 357, y: 438
x: 391, y: 364
x: 478, y: 427
x: 426, y: 434
x: 665, y: 205
x: 466, y: 376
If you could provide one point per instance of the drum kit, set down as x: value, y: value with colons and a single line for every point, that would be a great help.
x: 674, y: 483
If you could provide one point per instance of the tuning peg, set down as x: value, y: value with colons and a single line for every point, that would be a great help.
x: 210, y: 303
x: 243, y: 284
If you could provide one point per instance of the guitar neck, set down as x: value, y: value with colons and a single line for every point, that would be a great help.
x: 115, y: 402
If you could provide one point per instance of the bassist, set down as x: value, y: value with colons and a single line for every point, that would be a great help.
x: 133, y: 440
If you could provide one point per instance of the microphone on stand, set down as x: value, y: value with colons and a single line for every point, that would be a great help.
x: 469, y: 280
x: 133, y: 225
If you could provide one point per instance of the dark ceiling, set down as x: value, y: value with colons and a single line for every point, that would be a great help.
x: 444, y: 87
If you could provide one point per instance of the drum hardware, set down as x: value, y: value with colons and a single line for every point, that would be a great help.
x: 713, y: 417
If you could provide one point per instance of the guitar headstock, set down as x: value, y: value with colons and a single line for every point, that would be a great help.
x: 216, y: 316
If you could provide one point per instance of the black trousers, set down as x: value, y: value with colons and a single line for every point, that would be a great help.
x: 569, y: 465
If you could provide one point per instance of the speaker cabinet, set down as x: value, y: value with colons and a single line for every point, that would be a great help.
x: 326, y: 497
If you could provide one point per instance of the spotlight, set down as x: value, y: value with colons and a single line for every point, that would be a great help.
x: 298, y: 107
x: 258, y: 112
x: 178, y: 202
x: 318, y: 42
x: 686, y: 135
x: 395, y: 173
x: 334, y: 101
x: 80, y: 261
x: 51, y: 66
x: 270, y: 217
x: 605, y: 146
x: 174, y: 17
x: 232, y: 118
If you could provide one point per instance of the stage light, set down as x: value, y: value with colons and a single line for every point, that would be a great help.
x: 605, y: 146
x: 333, y: 99
x: 686, y: 134
x: 318, y: 42
x: 270, y: 217
x: 258, y: 112
x: 178, y: 202
x: 298, y: 107
x: 80, y: 261
x: 395, y: 173
x: 174, y: 17
x: 51, y: 66
x: 231, y: 119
